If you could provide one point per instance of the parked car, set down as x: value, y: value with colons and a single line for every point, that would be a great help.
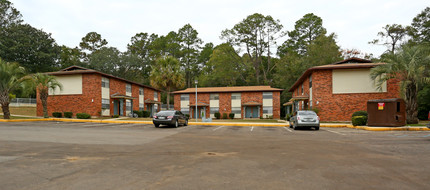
x: 305, y: 119
x: 169, y: 117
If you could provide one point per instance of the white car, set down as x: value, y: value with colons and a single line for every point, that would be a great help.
x: 305, y: 119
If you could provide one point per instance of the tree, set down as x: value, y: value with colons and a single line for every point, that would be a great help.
x: 106, y: 60
x: 392, y: 36
x: 12, y: 77
x: 350, y: 53
x: 166, y: 74
x: 322, y: 51
x: 190, y: 45
x: 33, y: 49
x: 421, y: 27
x: 256, y: 32
x: 306, y: 30
x: 69, y: 56
x: 224, y: 68
x: 411, y: 66
x: 92, y: 42
x: 43, y: 84
x: 8, y: 14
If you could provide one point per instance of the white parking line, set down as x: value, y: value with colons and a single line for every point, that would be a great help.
x: 288, y: 129
x: 218, y: 128
x: 252, y: 128
x: 335, y: 132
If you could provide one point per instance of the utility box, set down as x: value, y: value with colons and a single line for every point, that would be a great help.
x: 386, y: 112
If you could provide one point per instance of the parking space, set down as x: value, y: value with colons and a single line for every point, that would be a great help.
x: 66, y: 155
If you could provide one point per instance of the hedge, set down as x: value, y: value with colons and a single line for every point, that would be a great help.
x: 57, y: 114
x: 83, y: 116
x: 359, y: 120
x: 224, y: 116
x: 139, y: 113
x: 115, y: 116
x: 231, y: 115
x: 360, y: 113
x: 68, y: 114
x: 146, y: 113
x: 217, y: 115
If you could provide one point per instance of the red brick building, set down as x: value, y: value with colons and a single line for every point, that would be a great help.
x: 339, y: 89
x: 98, y: 94
x: 243, y: 101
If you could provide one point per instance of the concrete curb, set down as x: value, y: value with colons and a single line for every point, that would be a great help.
x: 407, y: 128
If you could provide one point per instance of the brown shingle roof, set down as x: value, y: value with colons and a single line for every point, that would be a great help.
x: 229, y: 89
x: 81, y: 70
x: 332, y: 67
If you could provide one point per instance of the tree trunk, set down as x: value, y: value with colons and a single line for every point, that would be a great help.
x: 44, y: 100
x: 6, y: 112
x: 411, y: 103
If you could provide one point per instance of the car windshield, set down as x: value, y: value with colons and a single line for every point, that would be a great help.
x: 307, y: 113
x: 166, y: 113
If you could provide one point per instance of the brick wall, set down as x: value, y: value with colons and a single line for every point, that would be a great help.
x: 224, y: 103
x: 135, y: 94
x: 88, y: 102
x: 116, y: 87
x: 149, y: 95
x: 177, y: 101
x: 252, y: 97
x: 276, y: 105
x: 339, y: 107
x: 201, y: 97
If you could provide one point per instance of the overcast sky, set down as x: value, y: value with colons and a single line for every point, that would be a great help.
x: 356, y: 22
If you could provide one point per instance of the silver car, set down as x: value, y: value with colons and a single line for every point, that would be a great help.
x: 305, y: 119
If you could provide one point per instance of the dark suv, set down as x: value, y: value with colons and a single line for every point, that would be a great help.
x: 170, y: 117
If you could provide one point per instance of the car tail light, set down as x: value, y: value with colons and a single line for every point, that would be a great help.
x: 298, y: 117
x: 318, y: 118
x: 155, y: 117
x: 169, y: 117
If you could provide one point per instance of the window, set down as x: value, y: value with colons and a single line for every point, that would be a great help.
x: 214, y: 97
x: 302, y: 90
x: 236, y: 110
x: 398, y: 106
x: 310, y: 81
x: 155, y: 96
x: 128, y: 105
x: 267, y: 95
x: 214, y: 110
x: 105, y: 104
x: 185, y: 110
x: 128, y: 88
x: 267, y: 110
x: 185, y: 97
x: 235, y: 96
x: 141, y: 91
x: 141, y: 107
x: 105, y: 82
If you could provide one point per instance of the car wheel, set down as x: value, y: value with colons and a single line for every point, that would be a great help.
x: 317, y: 128
x: 186, y: 122
x: 295, y: 127
x: 176, y: 124
x: 157, y: 125
x: 291, y: 125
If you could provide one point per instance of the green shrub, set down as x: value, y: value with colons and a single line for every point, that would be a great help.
x: 115, y: 116
x: 139, y: 113
x: 316, y: 110
x: 217, y: 115
x: 83, y: 116
x: 360, y: 113
x: 224, y: 115
x: 146, y: 113
x: 68, y: 114
x: 57, y: 114
x: 359, y: 120
x: 187, y: 115
x: 231, y: 115
x: 287, y: 117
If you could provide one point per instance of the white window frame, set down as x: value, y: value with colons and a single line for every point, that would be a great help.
x: 105, y: 82
x: 128, y: 88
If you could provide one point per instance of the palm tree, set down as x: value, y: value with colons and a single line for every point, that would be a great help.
x: 411, y: 66
x: 44, y: 83
x: 12, y: 77
x: 166, y: 74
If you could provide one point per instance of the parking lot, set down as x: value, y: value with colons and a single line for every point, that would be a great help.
x: 63, y: 155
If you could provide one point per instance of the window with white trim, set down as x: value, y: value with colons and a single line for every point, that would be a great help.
x: 105, y: 82
x: 236, y: 110
x: 214, y: 97
x: 267, y: 95
x: 267, y: 110
x: 105, y: 104
x: 214, y: 110
x: 156, y: 95
x: 141, y: 107
x: 128, y: 88
x: 185, y: 110
x: 128, y: 105
x: 141, y: 91
x: 185, y: 97
x: 235, y: 96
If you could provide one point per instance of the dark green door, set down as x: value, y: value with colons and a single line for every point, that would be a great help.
x: 115, y: 107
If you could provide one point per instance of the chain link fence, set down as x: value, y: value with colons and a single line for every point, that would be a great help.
x: 23, y: 102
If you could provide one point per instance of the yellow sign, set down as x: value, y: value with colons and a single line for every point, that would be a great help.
x: 381, y: 106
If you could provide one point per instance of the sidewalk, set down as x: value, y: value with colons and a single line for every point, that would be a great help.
x: 246, y: 124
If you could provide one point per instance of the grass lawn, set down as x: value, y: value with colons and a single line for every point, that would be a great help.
x: 18, y: 117
x: 215, y: 120
x: 30, y: 111
x: 420, y: 124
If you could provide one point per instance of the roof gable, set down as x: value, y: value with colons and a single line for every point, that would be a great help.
x: 229, y: 89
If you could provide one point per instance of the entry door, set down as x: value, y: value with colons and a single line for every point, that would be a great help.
x: 149, y: 108
x: 248, y: 112
x: 115, y: 107
x: 121, y: 107
x: 255, y: 112
x: 202, y: 112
